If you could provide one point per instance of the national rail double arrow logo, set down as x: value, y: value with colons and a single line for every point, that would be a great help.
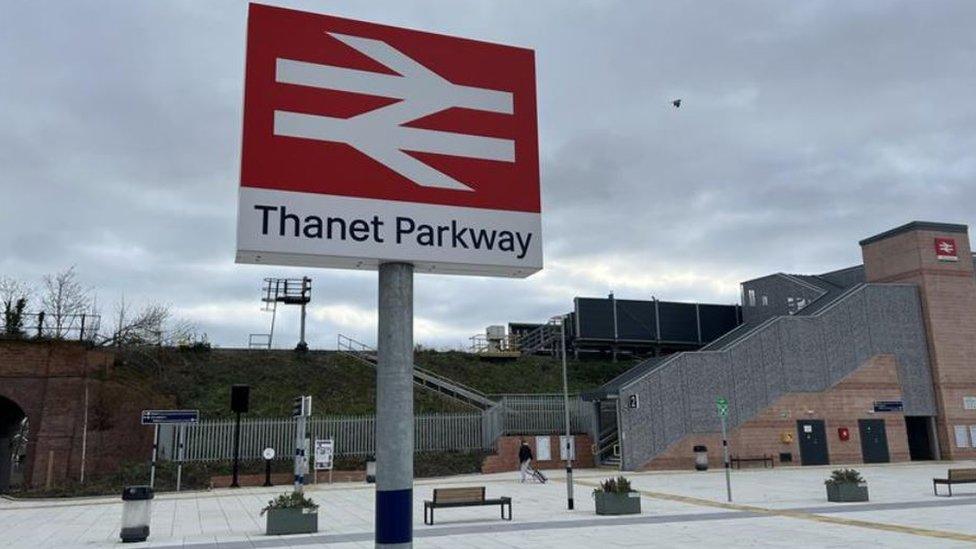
x: 381, y: 133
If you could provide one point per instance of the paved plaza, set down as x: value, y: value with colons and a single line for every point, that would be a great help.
x: 772, y: 508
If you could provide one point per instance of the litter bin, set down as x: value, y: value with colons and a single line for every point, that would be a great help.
x: 371, y: 471
x: 701, y: 458
x: 136, y: 510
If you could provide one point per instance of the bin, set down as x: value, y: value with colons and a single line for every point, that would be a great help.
x: 701, y: 458
x: 371, y: 471
x: 136, y: 510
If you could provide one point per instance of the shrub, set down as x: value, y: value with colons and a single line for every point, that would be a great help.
x: 619, y: 485
x: 844, y: 476
x: 294, y: 500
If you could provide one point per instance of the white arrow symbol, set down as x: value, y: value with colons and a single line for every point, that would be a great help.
x: 380, y: 133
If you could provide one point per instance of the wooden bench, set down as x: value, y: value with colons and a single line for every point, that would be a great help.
x: 955, y: 476
x: 737, y: 461
x: 463, y: 497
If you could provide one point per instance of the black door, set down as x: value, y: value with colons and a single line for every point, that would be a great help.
x: 919, y: 441
x: 874, y: 440
x: 813, y: 442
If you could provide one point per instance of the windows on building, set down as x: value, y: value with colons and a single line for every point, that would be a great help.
x: 795, y: 304
x: 752, y: 298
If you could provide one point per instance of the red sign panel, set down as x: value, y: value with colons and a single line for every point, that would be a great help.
x: 348, y: 108
x: 945, y: 249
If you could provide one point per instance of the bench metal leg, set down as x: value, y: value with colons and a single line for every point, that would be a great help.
x: 431, y: 521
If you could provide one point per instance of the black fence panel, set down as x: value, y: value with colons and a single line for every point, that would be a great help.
x: 717, y: 320
x: 679, y: 322
x: 595, y: 318
x: 636, y: 320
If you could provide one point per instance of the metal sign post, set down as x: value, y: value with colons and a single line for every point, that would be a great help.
x: 723, y: 412
x: 268, y: 454
x: 155, y: 454
x: 161, y: 417
x: 569, y: 433
x: 181, y: 444
x: 394, y: 407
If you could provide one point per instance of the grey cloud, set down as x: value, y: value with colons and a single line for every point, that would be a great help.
x: 804, y: 127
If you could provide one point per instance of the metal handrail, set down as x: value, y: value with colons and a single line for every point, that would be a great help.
x: 365, y: 353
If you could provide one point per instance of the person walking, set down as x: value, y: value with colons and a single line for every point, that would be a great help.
x: 525, y: 459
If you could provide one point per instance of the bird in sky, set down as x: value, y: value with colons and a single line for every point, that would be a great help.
x: 676, y: 103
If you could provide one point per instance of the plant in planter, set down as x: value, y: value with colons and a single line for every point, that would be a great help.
x: 615, y: 497
x: 846, y: 485
x: 291, y: 514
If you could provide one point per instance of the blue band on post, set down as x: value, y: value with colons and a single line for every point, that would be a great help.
x: 394, y: 516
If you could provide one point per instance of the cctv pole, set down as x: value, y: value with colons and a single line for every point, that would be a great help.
x: 302, y: 344
x: 394, y: 407
x: 569, y: 432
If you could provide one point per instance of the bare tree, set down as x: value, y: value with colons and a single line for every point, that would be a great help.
x: 153, y: 324
x: 64, y: 297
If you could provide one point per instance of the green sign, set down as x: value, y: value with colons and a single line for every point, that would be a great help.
x: 723, y: 406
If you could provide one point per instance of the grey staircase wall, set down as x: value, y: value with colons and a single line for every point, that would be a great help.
x: 788, y: 354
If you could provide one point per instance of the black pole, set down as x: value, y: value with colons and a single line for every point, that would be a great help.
x: 237, y: 451
x: 267, y: 472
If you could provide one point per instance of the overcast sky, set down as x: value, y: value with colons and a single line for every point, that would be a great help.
x: 804, y: 127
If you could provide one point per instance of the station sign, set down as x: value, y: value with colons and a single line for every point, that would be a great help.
x: 160, y: 417
x: 945, y: 249
x: 365, y: 143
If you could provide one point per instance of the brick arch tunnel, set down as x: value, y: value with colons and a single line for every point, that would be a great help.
x: 14, y: 433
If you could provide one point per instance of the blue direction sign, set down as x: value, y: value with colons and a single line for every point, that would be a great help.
x: 156, y: 417
x: 888, y: 406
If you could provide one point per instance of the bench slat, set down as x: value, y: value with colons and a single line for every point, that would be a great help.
x: 959, y: 475
x: 459, y: 495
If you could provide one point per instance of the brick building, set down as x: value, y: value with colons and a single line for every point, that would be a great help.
x: 872, y: 363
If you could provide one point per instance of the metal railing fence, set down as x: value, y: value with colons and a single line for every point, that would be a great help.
x: 543, y: 414
x: 212, y: 440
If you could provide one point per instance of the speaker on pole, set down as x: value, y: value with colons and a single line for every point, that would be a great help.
x: 240, y: 396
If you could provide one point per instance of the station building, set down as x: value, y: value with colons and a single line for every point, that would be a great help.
x: 873, y: 363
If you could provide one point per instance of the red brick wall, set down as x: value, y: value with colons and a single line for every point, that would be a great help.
x: 287, y: 479
x: 47, y: 379
x: 948, y: 295
x: 841, y: 406
x: 506, y: 459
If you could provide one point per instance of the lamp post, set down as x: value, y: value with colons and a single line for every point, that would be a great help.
x: 569, y: 432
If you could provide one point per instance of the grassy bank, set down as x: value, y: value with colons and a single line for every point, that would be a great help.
x: 338, y: 384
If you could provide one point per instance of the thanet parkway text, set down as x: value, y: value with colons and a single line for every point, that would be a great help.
x: 277, y: 219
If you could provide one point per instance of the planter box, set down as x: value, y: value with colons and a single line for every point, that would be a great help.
x: 847, y: 492
x: 292, y: 521
x: 613, y: 503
